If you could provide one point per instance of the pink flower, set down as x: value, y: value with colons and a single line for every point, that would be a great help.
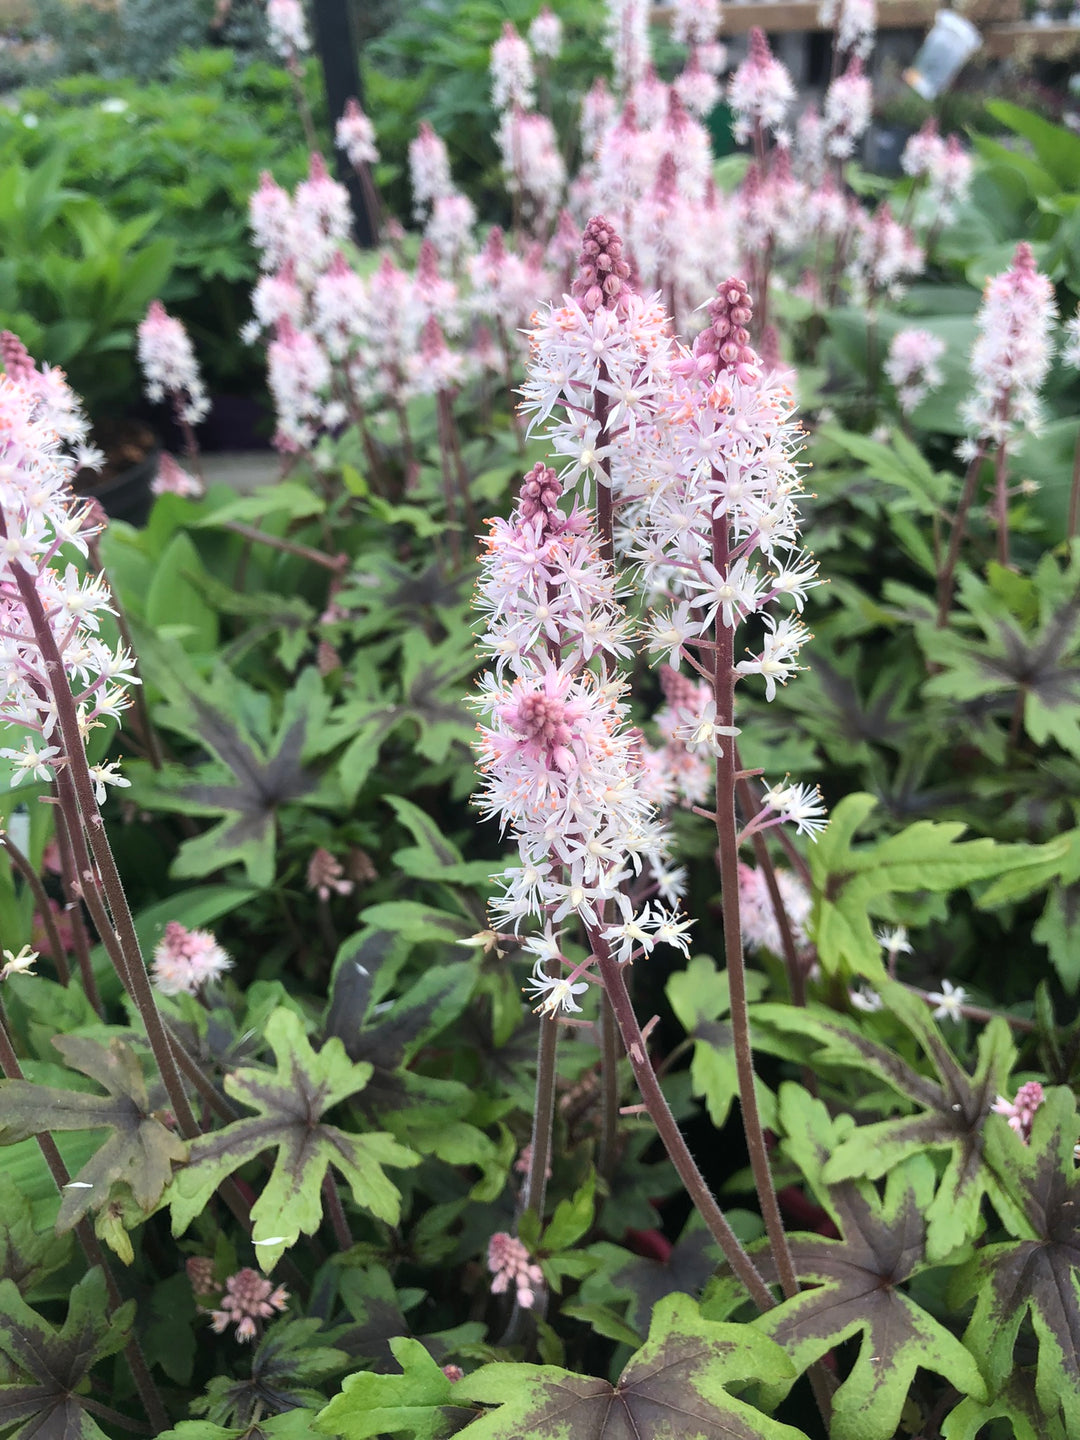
x: 761, y: 91
x: 545, y: 34
x: 299, y: 376
x: 1012, y: 350
x: 325, y: 874
x: 169, y: 365
x: 531, y: 160
x: 698, y: 88
x: 173, y: 479
x: 512, y: 77
x: 759, y: 923
x: 249, y: 1297
x: 429, y: 169
x: 287, y: 28
x: 695, y: 22
x: 508, y: 1261
x: 355, y: 134
x: 912, y: 366
x: 187, y: 960
x: 1020, y: 1112
x: 270, y: 216
x: 848, y: 102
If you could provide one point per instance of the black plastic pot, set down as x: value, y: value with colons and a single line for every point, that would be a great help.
x: 127, y: 496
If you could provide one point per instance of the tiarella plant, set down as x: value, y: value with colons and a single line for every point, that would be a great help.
x: 629, y: 1096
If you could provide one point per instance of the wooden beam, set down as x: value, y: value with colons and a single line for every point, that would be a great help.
x: 786, y: 16
x: 1026, y: 42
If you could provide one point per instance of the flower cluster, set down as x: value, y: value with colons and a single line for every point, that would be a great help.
x: 286, y: 28
x: 559, y: 764
x: 855, y: 22
x: 1020, y: 1113
x: 761, y: 929
x: 848, y: 103
x: 761, y: 92
x: 1012, y: 351
x: 173, y: 479
x: 44, y: 599
x: 509, y: 1263
x: 169, y: 365
x: 545, y: 34
x: 187, y: 960
x: 944, y: 164
x: 326, y: 875
x: 249, y: 1297
x: 355, y: 134
x: 513, y: 79
x: 884, y: 256
x: 912, y: 366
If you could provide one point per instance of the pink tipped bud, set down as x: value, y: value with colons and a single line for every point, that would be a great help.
x: 540, y: 492
x: 15, y: 357
x: 603, y: 274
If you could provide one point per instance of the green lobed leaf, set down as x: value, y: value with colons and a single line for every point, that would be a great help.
x: 420, y: 1402
x: 856, y: 1282
x: 1037, y: 1275
x: 852, y: 882
x: 54, y: 1363
x: 674, y: 1385
x: 141, y: 1151
x: 290, y: 1102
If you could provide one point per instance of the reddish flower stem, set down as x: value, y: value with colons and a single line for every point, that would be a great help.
x: 44, y: 909
x: 91, y: 1245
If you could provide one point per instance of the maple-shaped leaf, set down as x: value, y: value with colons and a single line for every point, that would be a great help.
x: 954, y: 1119
x: 257, y: 766
x: 285, y: 1365
x: 852, y: 883
x: 953, y: 1107
x: 1029, y: 648
x: 26, y: 1254
x: 425, y: 1112
x: 701, y: 1000
x: 673, y: 1386
x: 427, y: 698
x: 1016, y: 1402
x: 420, y: 1402
x: 1038, y: 1273
x: 290, y: 1102
x: 140, y: 1151
x: 856, y: 1282
x: 364, y: 970
x: 52, y: 1365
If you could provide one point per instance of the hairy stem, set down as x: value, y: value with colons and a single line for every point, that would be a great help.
x: 727, y: 839
x: 73, y: 891
x: 956, y: 536
x: 44, y: 909
x: 1001, y: 501
x: 77, y: 796
x: 609, y: 1089
x: 91, y: 1245
x: 535, y: 1188
x: 611, y: 974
